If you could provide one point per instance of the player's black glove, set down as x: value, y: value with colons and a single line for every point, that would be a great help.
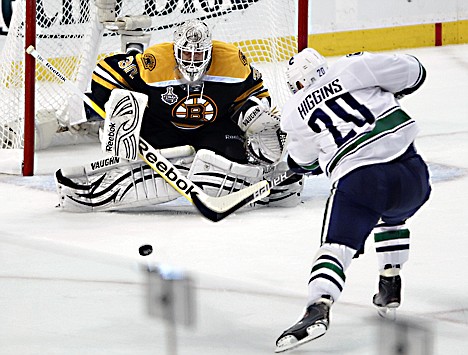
x: 312, y: 169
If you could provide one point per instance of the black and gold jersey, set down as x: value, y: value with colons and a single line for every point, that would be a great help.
x: 228, y: 82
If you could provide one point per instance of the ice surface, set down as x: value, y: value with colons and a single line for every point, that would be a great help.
x: 73, y: 283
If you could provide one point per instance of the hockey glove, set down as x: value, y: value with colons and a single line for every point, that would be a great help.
x: 256, y: 116
x: 312, y: 169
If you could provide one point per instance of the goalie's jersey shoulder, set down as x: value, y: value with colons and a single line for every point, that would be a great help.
x: 157, y: 63
x: 228, y: 61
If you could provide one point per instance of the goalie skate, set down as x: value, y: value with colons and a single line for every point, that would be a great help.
x: 313, y: 325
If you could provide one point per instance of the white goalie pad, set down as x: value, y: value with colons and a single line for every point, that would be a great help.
x: 218, y: 176
x: 117, y: 184
x: 122, y: 126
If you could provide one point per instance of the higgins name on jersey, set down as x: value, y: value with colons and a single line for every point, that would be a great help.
x: 317, y: 96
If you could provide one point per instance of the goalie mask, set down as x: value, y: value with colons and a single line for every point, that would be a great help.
x: 192, y: 49
x: 304, y: 69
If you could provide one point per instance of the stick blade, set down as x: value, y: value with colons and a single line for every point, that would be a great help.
x: 207, y: 212
x: 218, y: 208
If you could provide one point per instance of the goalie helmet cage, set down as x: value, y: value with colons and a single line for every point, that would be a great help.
x: 72, y: 36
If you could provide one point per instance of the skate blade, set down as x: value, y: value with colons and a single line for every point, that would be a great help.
x: 387, y: 312
x: 290, y: 342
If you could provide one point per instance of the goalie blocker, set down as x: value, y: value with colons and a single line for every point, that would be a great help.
x: 121, y: 131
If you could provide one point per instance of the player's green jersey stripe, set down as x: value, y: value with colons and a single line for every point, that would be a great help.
x: 382, y: 126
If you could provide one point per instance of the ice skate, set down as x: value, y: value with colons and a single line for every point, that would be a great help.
x: 313, y: 324
x: 389, y: 296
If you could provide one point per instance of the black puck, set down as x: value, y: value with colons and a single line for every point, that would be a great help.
x: 145, y: 250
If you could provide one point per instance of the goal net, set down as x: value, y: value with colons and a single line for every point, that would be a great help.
x: 73, y: 34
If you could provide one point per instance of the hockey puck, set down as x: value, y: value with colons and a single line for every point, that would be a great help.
x: 145, y: 250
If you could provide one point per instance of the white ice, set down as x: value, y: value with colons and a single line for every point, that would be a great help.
x: 73, y: 283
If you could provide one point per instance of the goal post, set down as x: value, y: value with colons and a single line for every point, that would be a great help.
x: 29, y: 91
x: 302, y: 24
x: 37, y: 111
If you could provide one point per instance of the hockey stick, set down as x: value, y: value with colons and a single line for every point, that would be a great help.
x: 218, y: 208
x: 161, y: 165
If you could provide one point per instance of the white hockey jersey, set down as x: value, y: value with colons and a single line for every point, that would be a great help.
x: 350, y: 117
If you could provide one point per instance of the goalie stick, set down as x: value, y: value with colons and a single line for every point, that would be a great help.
x: 207, y: 205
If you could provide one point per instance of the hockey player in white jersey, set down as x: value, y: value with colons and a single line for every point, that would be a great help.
x: 346, y: 121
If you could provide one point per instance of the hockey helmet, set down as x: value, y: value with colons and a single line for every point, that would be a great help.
x: 304, y: 69
x: 192, y: 49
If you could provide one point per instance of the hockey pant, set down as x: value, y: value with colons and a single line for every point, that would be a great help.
x: 377, y: 198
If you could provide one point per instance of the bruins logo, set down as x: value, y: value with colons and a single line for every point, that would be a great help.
x: 149, y: 61
x: 194, y: 112
x: 243, y: 58
x: 256, y: 74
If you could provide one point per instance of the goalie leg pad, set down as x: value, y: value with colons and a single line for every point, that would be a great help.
x: 218, y: 176
x: 288, y: 193
x: 114, y: 184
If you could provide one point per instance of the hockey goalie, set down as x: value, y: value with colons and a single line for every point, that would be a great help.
x: 201, y: 104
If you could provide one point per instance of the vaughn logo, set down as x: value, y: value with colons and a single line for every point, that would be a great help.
x: 105, y: 162
x: 251, y: 116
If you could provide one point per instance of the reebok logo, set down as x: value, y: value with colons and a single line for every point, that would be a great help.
x: 110, y: 137
x: 172, y: 177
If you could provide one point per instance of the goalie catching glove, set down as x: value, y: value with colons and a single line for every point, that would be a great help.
x: 121, y: 132
x: 265, y: 140
x: 257, y: 116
